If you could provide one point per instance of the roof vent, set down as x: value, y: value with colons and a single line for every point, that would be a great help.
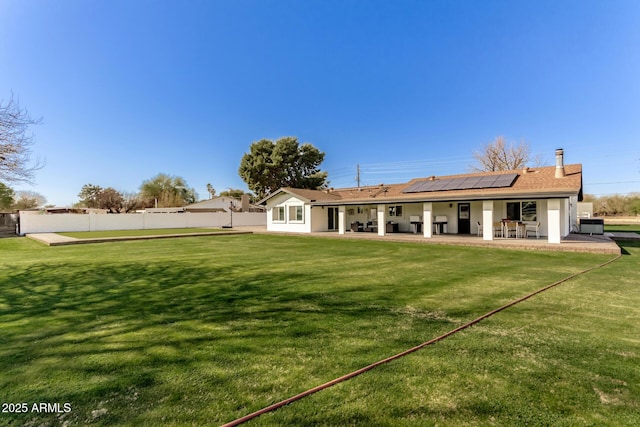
x: 525, y: 170
x: 432, y: 178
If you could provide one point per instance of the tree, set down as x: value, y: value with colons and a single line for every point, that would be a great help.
x: 15, y: 143
x: 110, y: 199
x: 6, y: 197
x: 270, y: 165
x: 234, y: 193
x: 167, y: 191
x: 89, y: 195
x: 131, y: 201
x: 29, y: 200
x: 211, y: 191
x: 500, y: 156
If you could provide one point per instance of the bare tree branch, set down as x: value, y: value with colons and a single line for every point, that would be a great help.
x: 16, y: 142
x: 499, y: 156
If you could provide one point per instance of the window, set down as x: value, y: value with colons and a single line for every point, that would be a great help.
x: 513, y: 211
x: 395, y: 210
x: 522, y: 211
x: 278, y: 213
x: 529, y: 211
x: 295, y: 213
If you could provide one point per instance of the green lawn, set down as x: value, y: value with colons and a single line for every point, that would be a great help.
x: 128, y: 233
x: 200, y: 331
x: 629, y: 228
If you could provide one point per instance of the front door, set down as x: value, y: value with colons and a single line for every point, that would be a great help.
x: 464, y: 218
x: 332, y: 220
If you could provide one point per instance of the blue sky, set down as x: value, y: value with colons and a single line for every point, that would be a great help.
x: 128, y: 89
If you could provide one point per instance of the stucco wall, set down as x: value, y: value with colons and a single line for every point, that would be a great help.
x: 42, y: 223
x: 286, y: 200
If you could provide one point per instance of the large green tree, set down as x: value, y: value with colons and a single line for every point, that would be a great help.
x: 6, y: 197
x: 168, y: 191
x: 89, y: 195
x: 270, y: 165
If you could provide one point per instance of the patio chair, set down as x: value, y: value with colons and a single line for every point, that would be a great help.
x: 498, y: 230
x: 511, y: 227
x: 533, y: 228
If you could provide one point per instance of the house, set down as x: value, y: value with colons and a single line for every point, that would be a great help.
x: 542, y: 200
x: 223, y: 204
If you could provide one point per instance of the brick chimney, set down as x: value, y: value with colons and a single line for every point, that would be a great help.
x: 559, y: 163
x: 245, y: 202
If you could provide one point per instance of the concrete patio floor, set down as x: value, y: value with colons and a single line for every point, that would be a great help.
x: 573, y: 243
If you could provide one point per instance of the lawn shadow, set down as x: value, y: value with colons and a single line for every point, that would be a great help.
x: 122, y: 326
x: 624, y: 244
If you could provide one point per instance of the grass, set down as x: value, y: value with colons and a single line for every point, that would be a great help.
x: 629, y: 228
x: 199, y: 331
x: 128, y: 233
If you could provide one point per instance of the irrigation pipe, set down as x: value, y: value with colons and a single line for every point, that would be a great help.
x: 316, y: 389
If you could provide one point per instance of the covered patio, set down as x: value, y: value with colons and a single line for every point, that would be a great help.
x: 570, y: 243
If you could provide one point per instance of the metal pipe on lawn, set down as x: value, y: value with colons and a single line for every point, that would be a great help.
x: 406, y: 352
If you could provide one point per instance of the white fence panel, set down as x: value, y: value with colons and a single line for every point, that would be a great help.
x: 36, y: 223
x: 40, y: 223
x: 116, y: 222
x: 249, y: 218
x: 168, y: 220
x: 209, y: 219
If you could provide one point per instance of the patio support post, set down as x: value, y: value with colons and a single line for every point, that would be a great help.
x: 342, y: 219
x: 382, y: 219
x: 427, y: 219
x: 487, y: 220
x: 553, y: 220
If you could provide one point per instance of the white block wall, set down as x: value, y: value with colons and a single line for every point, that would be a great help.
x: 52, y: 223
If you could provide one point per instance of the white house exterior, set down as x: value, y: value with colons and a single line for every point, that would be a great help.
x: 541, y: 201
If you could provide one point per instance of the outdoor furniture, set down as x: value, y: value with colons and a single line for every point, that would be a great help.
x: 510, y: 229
x: 533, y: 227
x: 415, y: 224
x: 440, y: 224
x: 592, y: 226
x: 498, y: 229
x: 357, y: 226
x: 392, y: 227
x: 372, y: 226
x: 513, y: 228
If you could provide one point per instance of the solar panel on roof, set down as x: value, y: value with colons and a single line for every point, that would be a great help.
x: 470, y: 182
x: 462, y: 183
x: 426, y: 186
x: 486, y: 181
x: 505, y: 180
x: 413, y: 188
x: 439, y: 185
x: 455, y: 183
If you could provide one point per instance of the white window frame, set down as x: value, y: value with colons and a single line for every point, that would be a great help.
x: 293, y: 214
x: 280, y: 217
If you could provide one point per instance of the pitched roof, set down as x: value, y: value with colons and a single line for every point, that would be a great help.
x: 532, y: 182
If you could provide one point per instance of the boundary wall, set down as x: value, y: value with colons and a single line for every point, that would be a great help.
x: 31, y: 222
